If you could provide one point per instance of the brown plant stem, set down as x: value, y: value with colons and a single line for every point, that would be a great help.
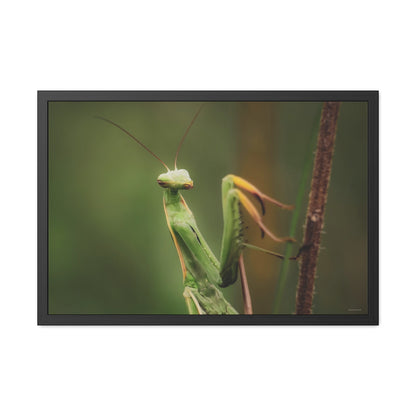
x: 316, y: 207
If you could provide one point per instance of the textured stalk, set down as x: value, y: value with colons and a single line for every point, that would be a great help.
x: 316, y: 207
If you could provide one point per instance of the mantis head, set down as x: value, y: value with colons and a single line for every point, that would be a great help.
x: 175, y: 179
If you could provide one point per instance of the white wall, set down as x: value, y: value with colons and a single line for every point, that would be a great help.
x: 206, y: 45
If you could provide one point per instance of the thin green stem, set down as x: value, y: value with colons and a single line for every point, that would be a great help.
x: 304, y: 181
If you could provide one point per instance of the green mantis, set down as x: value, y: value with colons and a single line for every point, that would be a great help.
x: 203, y: 274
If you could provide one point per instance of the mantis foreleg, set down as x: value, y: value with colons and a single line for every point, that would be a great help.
x: 232, y: 242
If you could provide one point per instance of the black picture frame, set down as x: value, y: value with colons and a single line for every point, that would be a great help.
x: 371, y: 97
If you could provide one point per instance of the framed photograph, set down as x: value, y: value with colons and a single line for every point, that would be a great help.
x: 207, y: 207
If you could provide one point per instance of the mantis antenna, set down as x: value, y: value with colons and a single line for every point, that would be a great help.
x: 135, y: 139
x: 186, y: 132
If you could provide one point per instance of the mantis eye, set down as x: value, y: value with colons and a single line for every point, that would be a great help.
x: 188, y: 185
x: 163, y: 184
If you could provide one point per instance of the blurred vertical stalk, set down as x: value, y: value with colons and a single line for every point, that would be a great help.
x: 316, y: 207
x: 306, y: 172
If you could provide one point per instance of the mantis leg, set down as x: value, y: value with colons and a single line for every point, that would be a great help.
x: 232, y: 241
x: 248, y: 308
x: 192, y: 303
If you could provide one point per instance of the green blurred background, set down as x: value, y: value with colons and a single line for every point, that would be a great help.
x: 110, y: 251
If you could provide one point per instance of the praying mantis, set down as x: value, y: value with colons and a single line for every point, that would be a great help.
x: 203, y: 274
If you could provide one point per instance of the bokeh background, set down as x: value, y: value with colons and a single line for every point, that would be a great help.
x: 110, y: 251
